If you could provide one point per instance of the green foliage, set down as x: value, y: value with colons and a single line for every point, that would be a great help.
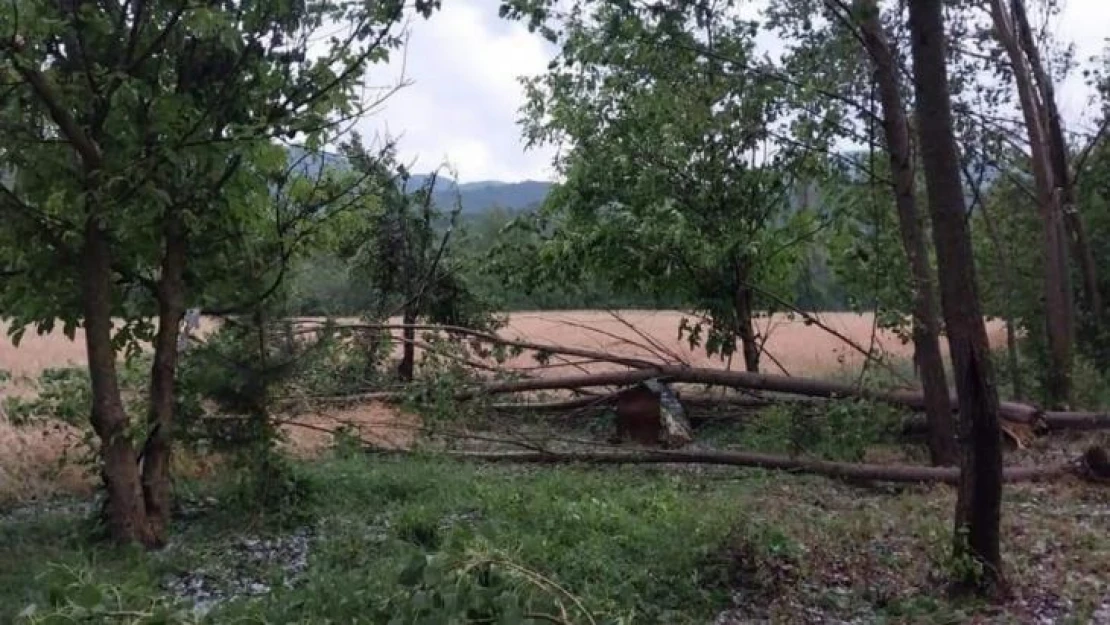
x: 664, y: 193
x: 225, y: 404
x: 64, y: 394
x: 489, y: 250
x: 76, y: 595
x: 865, y: 247
x: 227, y: 85
x: 840, y: 430
x: 402, y: 247
x: 483, y: 588
x: 1093, y: 194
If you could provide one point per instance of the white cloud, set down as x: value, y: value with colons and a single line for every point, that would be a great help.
x: 463, y: 104
x: 1083, y: 22
x: 465, y: 100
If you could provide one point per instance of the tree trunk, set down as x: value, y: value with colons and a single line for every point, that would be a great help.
x: 749, y: 341
x: 159, y: 445
x: 979, y: 502
x: 926, y: 325
x: 408, y: 350
x: 126, y: 511
x: 1058, y: 156
x: 1057, y: 282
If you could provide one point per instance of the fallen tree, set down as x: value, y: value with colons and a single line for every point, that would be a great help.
x: 640, y: 370
x: 1091, y: 466
x: 1020, y: 413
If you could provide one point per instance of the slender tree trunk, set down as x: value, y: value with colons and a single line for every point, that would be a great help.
x: 745, y: 329
x: 126, y: 511
x: 979, y: 503
x: 158, y: 449
x: 1058, y: 156
x: 926, y: 324
x: 408, y: 350
x: 1057, y: 282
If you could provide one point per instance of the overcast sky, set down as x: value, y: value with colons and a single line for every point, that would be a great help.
x: 463, y: 104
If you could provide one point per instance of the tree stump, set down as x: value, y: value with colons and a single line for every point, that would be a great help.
x: 651, y: 414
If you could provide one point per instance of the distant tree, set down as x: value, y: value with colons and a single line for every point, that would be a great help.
x: 401, y: 247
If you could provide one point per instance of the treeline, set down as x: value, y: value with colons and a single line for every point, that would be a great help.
x: 324, y: 284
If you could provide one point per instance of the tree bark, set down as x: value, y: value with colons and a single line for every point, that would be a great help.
x: 1058, y: 156
x: 749, y: 342
x: 408, y: 350
x: 979, y: 501
x: 912, y: 400
x: 1057, y: 284
x: 157, y: 453
x: 126, y: 510
x: 926, y: 324
x: 733, y: 379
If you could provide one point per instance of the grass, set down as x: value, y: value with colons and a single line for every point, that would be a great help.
x: 341, y: 537
x: 632, y: 546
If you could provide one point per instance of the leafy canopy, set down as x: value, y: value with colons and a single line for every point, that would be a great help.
x: 672, y: 181
x: 156, y: 113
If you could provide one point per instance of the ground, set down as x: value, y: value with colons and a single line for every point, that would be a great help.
x: 661, y: 545
x: 348, y: 536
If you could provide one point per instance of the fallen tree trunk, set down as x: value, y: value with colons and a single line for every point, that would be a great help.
x: 1081, y: 467
x: 733, y: 379
x: 642, y: 370
x: 604, y: 401
x: 817, y: 389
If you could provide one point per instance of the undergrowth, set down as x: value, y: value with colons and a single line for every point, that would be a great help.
x: 842, y: 430
x: 423, y: 540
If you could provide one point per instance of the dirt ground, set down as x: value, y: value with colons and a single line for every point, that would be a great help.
x: 31, y: 457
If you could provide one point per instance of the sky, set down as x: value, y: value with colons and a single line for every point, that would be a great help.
x: 463, y: 97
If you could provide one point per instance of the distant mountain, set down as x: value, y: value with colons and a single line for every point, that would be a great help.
x: 476, y: 197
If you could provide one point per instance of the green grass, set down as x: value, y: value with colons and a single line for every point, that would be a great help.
x: 393, y: 537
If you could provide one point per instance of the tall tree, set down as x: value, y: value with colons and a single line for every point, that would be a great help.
x: 926, y: 322
x: 668, y: 188
x: 840, y: 60
x: 1051, y: 182
x: 979, y: 502
x: 140, y: 141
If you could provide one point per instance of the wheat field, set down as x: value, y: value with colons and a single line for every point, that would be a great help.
x: 31, y: 456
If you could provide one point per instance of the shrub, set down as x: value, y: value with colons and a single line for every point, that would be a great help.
x: 65, y: 394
